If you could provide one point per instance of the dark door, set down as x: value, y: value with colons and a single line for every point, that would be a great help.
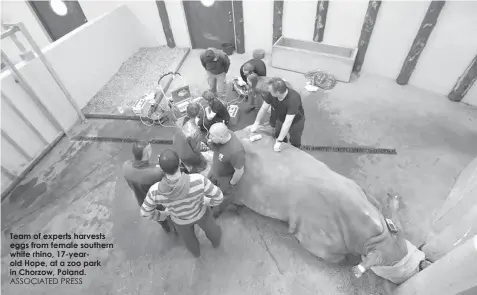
x: 210, y: 26
x: 68, y: 16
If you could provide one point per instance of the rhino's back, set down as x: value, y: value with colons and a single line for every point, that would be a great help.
x: 333, y: 210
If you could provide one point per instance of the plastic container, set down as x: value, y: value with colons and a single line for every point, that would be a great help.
x: 228, y: 48
x: 259, y: 54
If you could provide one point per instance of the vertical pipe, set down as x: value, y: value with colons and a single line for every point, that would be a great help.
x: 24, y: 119
x: 47, y: 64
x: 31, y: 92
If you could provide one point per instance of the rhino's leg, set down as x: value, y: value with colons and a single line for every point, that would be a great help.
x: 293, y: 222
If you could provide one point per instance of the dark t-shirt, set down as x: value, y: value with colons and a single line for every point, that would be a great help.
x: 291, y: 105
x: 228, y: 156
x: 140, y: 177
x: 259, y: 68
x: 221, y: 112
x: 186, y: 142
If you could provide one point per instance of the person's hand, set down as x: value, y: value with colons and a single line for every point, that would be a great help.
x: 206, y: 201
x: 254, y: 127
x: 227, y: 191
x: 357, y: 271
x: 203, y: 147
x: 277, y: 146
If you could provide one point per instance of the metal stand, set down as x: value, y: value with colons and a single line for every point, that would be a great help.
x: 20, y: 27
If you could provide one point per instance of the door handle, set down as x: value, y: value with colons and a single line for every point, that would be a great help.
x: 230, y: 16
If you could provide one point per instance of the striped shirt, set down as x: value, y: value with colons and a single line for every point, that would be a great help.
x: 186, y: 210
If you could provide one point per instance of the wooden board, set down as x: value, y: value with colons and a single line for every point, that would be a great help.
x: 427, y: 25
x: 239, y: 27
x: 320, y: 20
x: 465, y: 82
x: 166, y: 25
x: 277, y: 20
x: 366, y: 32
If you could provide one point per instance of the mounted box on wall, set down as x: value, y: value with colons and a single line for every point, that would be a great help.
x: 304, y: 56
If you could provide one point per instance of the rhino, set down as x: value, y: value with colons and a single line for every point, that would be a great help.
x: 329, y: 214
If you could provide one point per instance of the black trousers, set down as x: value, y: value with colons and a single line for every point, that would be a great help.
x: 296, y: 131
x: 208, y: 224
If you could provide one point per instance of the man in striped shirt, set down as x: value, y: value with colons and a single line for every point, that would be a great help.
x: 186, y: 198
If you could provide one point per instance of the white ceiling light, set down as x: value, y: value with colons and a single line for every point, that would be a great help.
x: 59, y: 7
x: 207, y: 3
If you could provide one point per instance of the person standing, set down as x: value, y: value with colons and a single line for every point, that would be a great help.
x: 186, y: 198
x: 215, y: 112
x: 251, y: 71
x: 141, y: 174
x: 290, y: 116
x: 228, y: 161
x: 188, y: 141
x: 216, y: 63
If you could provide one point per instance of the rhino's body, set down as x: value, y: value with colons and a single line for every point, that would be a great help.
x: 328, y: 213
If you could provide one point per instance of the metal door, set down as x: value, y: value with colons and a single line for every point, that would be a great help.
x: 210, y: 26
x: 68, y: 17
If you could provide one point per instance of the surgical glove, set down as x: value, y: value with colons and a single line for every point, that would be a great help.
x: 277, y: 146
x: 254, y: 128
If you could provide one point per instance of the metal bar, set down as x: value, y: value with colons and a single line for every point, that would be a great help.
x: 25, y: 120
x: 32, y: 165
x: 8, y: 173
x: 10, y: 32
x: 31, y: 92
x: 16, y: 145
x: 51, y: 70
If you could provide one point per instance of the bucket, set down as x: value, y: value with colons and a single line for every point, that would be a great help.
x: 228, y: 48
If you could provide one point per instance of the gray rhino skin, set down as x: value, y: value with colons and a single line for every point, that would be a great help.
x: 328, y: 213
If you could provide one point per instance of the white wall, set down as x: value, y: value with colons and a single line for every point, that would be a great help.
x: 178, y: 22
x: 471, y: 96
x: 258, y: 25
x: 145, y: 11
x: 299, y: 19
x: 450, y: 49
x: 85, y: 60
x: 392, y: 36
x: 343, y: 22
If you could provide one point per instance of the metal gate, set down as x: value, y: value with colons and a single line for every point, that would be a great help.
x: 29, y: 129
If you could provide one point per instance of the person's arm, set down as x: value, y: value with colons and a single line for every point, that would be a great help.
x: 226, y: 62
x: 202, y: 59
x: 242, y: 74
x: 149, y: 211
x: 261, y: 113
x: 223, y: 112
x: 285, y: 127
x: 213, y: 192
x: 238, y: 162
x: 209, y: 113
x: 292, y: 110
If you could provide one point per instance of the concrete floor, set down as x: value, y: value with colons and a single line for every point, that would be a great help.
x: 78, y: 188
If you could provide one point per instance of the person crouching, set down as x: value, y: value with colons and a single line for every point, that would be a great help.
x: 187, y: 198
x: 188, y: 141
x: 215, y: 112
